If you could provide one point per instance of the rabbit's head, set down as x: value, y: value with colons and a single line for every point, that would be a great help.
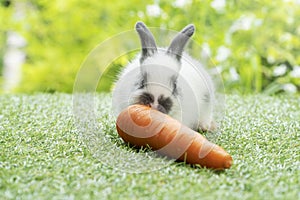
x: 159, y: 69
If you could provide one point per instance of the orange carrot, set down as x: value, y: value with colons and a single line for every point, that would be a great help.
x: 140, y: 125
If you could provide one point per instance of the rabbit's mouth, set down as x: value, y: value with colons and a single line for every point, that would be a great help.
x: 162, y: 104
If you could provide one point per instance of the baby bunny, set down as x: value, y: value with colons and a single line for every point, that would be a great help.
x: 169, y: 80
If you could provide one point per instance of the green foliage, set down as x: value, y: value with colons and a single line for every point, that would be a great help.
x: 248, y: 41
x: 272, y: 39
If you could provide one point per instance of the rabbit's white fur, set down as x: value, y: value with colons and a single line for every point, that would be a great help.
x: 193, y: 100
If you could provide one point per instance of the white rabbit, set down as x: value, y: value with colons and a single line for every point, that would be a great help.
x: 168, y: 80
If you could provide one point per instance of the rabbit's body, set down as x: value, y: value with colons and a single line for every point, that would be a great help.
x: 168, y: 80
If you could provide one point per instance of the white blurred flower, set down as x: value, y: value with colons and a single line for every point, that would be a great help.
x: 289, y: 87
x: 181, y: 3
x: 286, y: 37
x: 140, y: 14
x: 216, y: 70
x: 153, y: 10
x: 206, y: 52
x: 244, y: 23
x: 295, y: 73
x: 271, y: 59
x: 223, y: 53
x: 218, y: 5
x: 233, y: 73
x: 15, y: 40
x: 280, y: 70
x: 292, y: 1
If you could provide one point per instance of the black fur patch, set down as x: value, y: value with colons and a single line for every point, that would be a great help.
x: 145, y: 99
x: 147, y: 52
x: 165, y: 104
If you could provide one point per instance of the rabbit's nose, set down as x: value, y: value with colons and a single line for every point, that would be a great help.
x: 158, y: 107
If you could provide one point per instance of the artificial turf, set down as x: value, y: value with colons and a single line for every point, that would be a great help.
x: 45, y: 154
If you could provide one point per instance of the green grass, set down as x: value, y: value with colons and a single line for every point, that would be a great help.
x: 44, y: 155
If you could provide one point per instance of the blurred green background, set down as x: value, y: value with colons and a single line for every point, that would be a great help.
x: 254, y: 44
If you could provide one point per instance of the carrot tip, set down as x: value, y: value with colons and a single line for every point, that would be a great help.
x: 228, y: 162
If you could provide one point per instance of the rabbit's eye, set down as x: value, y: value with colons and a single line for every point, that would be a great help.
x: 141, y: 83
x: 175, y: 91
x: 207, y: 97
x: 174, y: 84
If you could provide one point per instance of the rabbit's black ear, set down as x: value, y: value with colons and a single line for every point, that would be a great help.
x: 147, y: 40
x: 179, y: 42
